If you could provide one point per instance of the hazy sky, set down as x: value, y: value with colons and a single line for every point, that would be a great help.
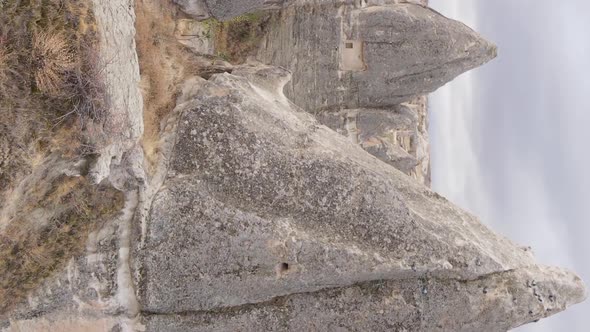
x: 511, y: 140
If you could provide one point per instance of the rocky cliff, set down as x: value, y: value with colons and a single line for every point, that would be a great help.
x: 284, y: 194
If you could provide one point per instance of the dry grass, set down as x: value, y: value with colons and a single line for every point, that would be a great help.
x: 164, y: 64
x: 53, y: 61
x: 240, y: 37
x: 10, y: 78
x: 5, y: 71
x: 30, y: 252
x: 49, y: 81
x: 50, y: 88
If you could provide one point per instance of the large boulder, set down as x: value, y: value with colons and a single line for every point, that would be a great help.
x: 370, y: 57
x: 271, y: 221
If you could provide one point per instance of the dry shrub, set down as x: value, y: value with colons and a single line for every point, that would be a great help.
x: 164, y: 64
x: 50, y: 79
x: 10, y: 76
x: 86, y: 86
x: 50, y: 83
x: 239, y: 37
x: 30, y: 252
x: 4, y: 71
x: 52, y: 60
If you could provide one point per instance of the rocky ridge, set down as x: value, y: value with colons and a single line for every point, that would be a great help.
x: 258, y: 215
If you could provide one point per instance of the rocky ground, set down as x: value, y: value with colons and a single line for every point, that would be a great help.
x: 260, y: 166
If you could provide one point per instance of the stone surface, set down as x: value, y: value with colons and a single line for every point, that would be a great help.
x: 228, y: 9
x: 496, y: 302
x: 406, y: 51
x: 118, y: 56
x: 195, y: 8
x: 397, y: 136
x: 94, y: 292
x: 262, y: 202
x: 257, y: 217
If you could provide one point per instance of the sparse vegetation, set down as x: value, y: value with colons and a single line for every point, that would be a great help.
x: 164, y: 64
x: 50, y: 88
x: 45, y: 47
x: 49, y: 84
x: 52, y: 61
x: 238, y: 38
x: 31, y: 251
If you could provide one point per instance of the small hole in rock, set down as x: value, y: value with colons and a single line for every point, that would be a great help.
x: 283, y: 267
x: 349, y: 45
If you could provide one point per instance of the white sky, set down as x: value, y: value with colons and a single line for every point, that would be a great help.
x: 510, y: 140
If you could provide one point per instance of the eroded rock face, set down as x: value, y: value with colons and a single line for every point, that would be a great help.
x: 228, y: 9
x: 196, y: 36
x: 262, y: 203
x: 225, y: 10
x: 497, y: 302
x: 270, y: 221
x: 195, y: 8
x: 369, y: 57
x: 397, y: 136
x: 118, y: 56
x: 258, y: 217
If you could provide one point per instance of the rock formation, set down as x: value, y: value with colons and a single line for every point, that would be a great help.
x: 342, y: 58
x: 397, y: 136
x: 195, y: 8
x: 229, y: 9
x: 286, y: 196
x: 294, y: 217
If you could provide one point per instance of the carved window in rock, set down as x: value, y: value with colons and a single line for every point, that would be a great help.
x: 352, y: 55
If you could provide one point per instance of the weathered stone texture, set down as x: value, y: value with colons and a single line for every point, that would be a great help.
x: 258, y: 217
x: 408, y: 50
x: 195, y: 8
x: 497, y: 302
x: 397, y: 136
x: 229, y: 9
x: 225, y: 10
x: 118, y: 57
x: 195, y: 35
x: 262, y: 202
